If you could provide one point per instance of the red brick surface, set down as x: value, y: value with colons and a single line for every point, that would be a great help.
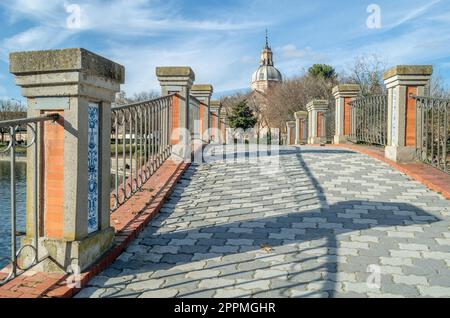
x: 53, y: 139
x: 128, y: 221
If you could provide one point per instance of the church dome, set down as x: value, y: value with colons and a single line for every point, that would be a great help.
x: 267, y: 73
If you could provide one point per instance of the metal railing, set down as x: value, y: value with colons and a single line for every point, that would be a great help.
x: 329, y: 125
x: 140, y: 144
x: 433, y: 131
x: 194, y: 113
x: 16, y: 140
x: 369, y: 120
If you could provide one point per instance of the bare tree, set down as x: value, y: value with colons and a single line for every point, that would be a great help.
x: 144, y: 96
x: 294, y: 94
x: 9, y: 110
x: 122, y: 99
x: 367, y: 72
x: 437, y: 87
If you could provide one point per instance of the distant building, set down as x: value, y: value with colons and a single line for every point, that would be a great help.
x: 267, y: 75
x: 264, y: 79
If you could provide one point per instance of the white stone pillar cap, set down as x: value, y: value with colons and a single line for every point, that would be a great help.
x: 346, y: 90
x: 414, y: 75
x: 301, y: 115
x: 215, y: 105
x: 175, y: 76
x: 319, y: 105
x: 290, y: 124
x: 66, y: 73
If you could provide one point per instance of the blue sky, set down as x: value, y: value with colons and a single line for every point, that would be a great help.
x: 221, y: 39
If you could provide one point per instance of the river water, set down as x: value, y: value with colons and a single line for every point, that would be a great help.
x: 5, y: 205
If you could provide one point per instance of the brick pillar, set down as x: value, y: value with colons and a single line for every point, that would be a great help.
x: 314, y: 108
x: 402, y: 82
x: 300, y: 119
x: 215, y: 121
x: 203, y: 92
x: 178, y: 80
x: 74, y: 153
x: 290, y: 129
x: 223, y: 126
x: 344, y: 95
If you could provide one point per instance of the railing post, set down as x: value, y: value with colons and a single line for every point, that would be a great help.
x: 203, y: 93
x: 223, y: 126
x: 344, y: 95
x: 178, y: 80
x: 300, y: 127
x: 403, y: 82
x: 73, y: 153
x: 315, y: 109
x: 290, y: 130
x: 215, y: 120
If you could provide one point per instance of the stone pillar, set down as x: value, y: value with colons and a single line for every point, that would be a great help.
x: 178, y: 80
x: 315, y: 109
x: 344, y: 95
x: 74, y: 153
x: 402, y: 82
x: 203, y: 93
x: 215, y: 121
x: 290, y: 130
x: 223, y: 126
x: 300, y: 127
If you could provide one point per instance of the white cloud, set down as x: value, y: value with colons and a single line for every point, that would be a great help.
x: 36, y: 38
x: 213, y: 61
x: 121, y: 17
x: 290, y: 51
x: 413, y: 14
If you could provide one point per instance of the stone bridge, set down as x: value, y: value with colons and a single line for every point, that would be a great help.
x: 116, y: 207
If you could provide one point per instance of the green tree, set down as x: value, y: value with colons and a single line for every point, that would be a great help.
x: 242, y: 116
x: 322, y: 70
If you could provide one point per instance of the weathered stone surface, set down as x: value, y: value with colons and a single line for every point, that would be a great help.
x: 408, y: 70
x: 23, y: 63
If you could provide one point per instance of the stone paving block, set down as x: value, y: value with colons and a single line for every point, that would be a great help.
x: 202, y: 274
x: 410, y: 280
x: 270, y: 274
x: 360, y: 288
x: 413, y: 247
x: 177, y: 258
x: 436, y: 255
x: 405, y: 253
x: 355, y: 245
x: 161, y: 293
x: 434, y: 291
x: 239, y: 242
x: 143, y: 285
x: 232, y: 293
x: 399, y: 234
x: 159, y: 249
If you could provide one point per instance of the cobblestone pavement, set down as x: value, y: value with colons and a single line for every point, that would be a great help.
x: 311, y: 222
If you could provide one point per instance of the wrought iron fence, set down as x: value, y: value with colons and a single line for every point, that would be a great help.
x: 194, y: 114
x: 433, y: 131
x: 369, y: 120
x: 140, y: 144
x: 330, y: 119
x: 17, y: 139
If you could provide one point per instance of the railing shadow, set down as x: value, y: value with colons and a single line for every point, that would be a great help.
x: 318, y: 226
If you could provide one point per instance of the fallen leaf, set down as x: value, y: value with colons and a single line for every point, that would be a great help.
x: 267, y: 248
